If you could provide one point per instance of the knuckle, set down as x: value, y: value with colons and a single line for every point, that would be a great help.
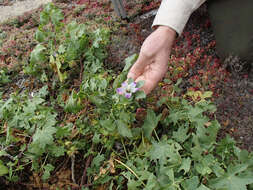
x: 146, y: 52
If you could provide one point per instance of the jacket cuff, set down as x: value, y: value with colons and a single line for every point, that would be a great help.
x: 175, y: 13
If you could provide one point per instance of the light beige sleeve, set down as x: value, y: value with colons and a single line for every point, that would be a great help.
x: 175, y: 13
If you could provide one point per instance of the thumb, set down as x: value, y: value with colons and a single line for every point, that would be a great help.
x: 138, y: 68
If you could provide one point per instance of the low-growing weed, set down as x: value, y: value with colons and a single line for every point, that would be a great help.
x: 106, y: 123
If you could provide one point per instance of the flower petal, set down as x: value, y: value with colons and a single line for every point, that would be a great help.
x: 133, y: 85
x: 124, y: 84
x: 135, y: 90
x: 120, y: 91
x: 128, y: 95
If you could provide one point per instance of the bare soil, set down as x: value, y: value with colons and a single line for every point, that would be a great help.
x: 11, y: 9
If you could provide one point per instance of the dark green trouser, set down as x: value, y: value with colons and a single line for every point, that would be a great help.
x: 232, y: 22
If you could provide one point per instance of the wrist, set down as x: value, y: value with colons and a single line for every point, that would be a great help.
x: 168, y: 30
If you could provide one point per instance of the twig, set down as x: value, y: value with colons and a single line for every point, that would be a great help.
x: 73, y: 168
x: 4, y: 149
x: 26, y: 147
x: 88, y: 161
x: 61, y: 165
x: 10, y: 157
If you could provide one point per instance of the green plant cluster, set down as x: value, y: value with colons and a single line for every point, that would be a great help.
x: 2, y: 37
x: 61, y: 50
x: 173, y: 147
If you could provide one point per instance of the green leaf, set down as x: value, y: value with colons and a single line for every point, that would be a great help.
x: 164, y: 150
x: 101, y: 37
x: 225, y: 147
x: 186, y: 165
x: 242, y: 155
x: 175, y: 87
x: 123, y: 129
x: 140, y: 84
x: 38, y: 55
x: 168, y: 81
x: 207, y: 94
x: 217, y: 169
x: 96, y: 138
x: 3, y: 169
x: 96, y: 100
x: 4, y: 77
x: 48, y: 7
x: 181, y: 134
x: 203, y: 169
x: 97, y: 160
x: 151, y: 183
x: 62, y: 76
x: 40, y: 36
x: 194, y: 112
x: 150, y: 123
x: 120, y: 78
x: 73, y: 104
x: 41, y: 139
x: 175, y: 116
x: 129, y: 62
x: 237, y: 177
x: 56, y: 16
x: 76, y: 30
x: 202, y: 187
x: 140, y: 95
x: 133, y: 185
x: 56, y: 151
x: 47, y: 169
x: 124, y: 116
x: 43, y: 92
x: 207, y: 134
x: 196, y: 152
x: 61, y: 49
x: 108, y: 125
x: 130, y: 80
x: 64, y: 131
x: 44, y: 18
x: 191, y: 184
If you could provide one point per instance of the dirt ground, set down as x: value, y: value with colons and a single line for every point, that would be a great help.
x: 11, y: 9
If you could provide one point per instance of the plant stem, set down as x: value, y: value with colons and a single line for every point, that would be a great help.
x: 124, y: 148
x: 156, y: 135
x: 130, y: 171
x: 73, y: 168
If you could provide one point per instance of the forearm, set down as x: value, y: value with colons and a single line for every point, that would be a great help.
x: 175, y: 13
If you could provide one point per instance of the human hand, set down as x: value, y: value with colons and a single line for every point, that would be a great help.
x: 152, y: 63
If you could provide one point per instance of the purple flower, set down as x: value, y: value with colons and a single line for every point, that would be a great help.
x: 127, y: 89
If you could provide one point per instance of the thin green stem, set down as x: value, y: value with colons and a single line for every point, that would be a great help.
x: 156, y: 135
x: 44, y: 161
x: 127, y: 167
x: 124, y: 148
x: 143, y: 141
